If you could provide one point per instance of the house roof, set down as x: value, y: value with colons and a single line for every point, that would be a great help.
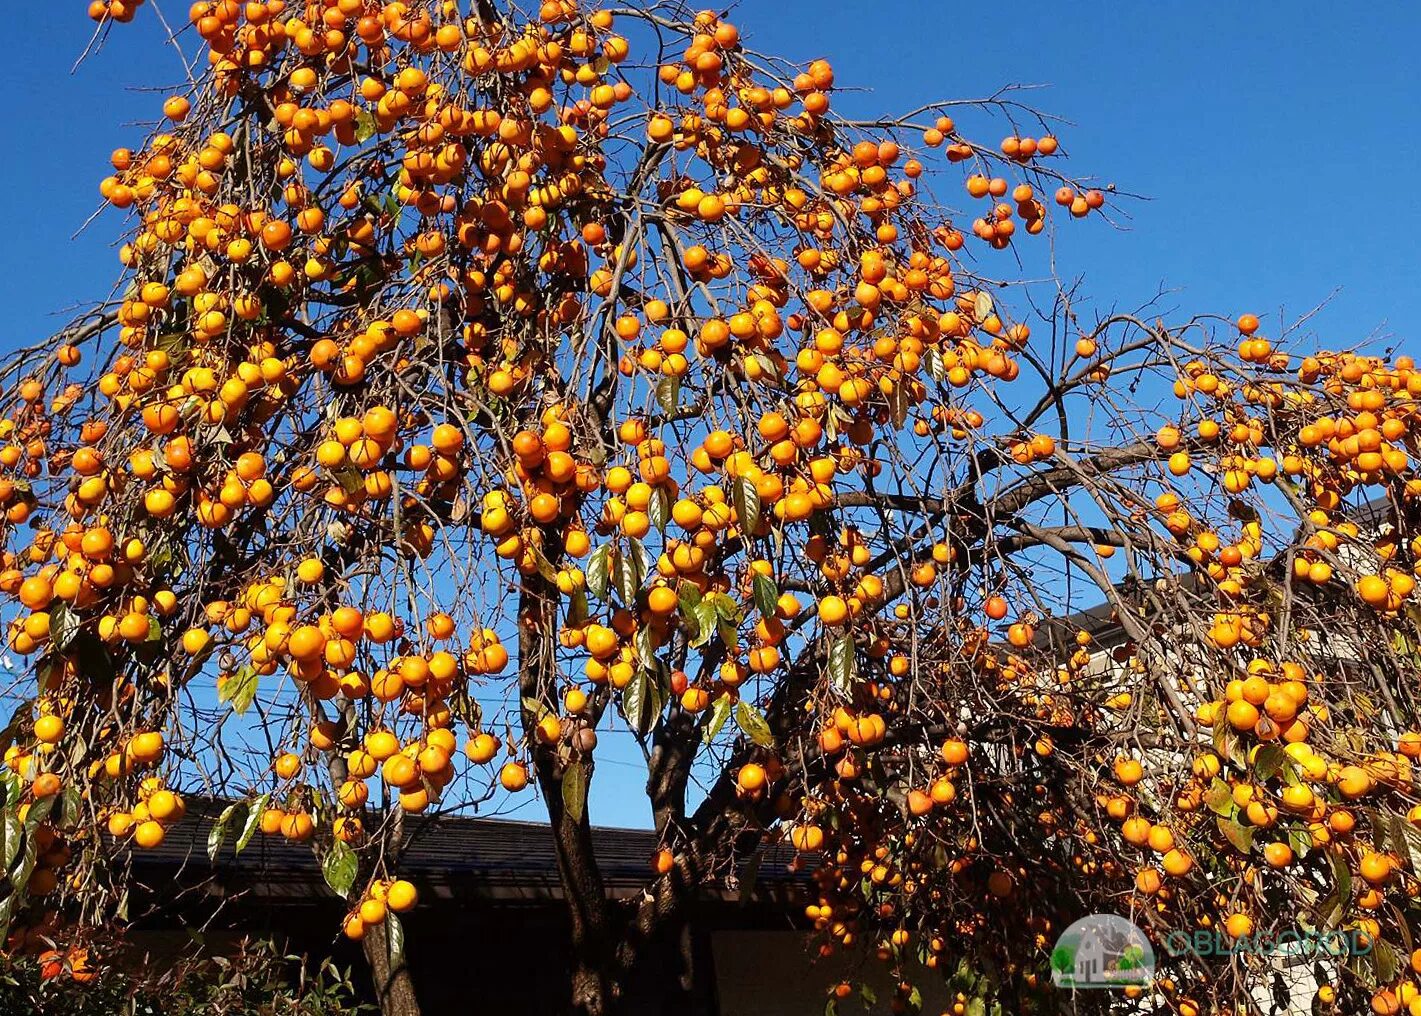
x: 1102, y: 624
x: 482, y: 858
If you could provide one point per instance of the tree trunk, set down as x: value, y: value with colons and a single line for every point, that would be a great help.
x: 594, y: 989
x: 394, y: 988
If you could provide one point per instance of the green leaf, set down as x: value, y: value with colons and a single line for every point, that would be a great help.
x: 1225, y: 739
x: 689, y: 596
x: 155, y: 631
x: 630, y: 570
x: 574, y: 790
x: 364, y: 125
x: 658, y: 509
x: 668, y: 393
x: 1269, y: 759
x: 577, y: 611
x: 644, y: 646
x: 728, y: 633
x: 1385, y: 961
x: 14, y: 836
x: 643, y: 701
x: 349, y: 479
x: 218, y: 832
x: 63, y: 626
x: 1331, y: 909
x: 720, y: 712
x: 70, y: 805
x: 239, y: 689
x: 866, y: 992
x: 937, y: 367
x: 841, y: 664
x: 766, y: 595
x: 544, y: 566
x: 253, y: 822
x: 39, y: 811
x: 339, y: 868
x: 598, y: 571
x: 725, y: 607
x: 534, y: 707
x: 7, y: 911
x: 395, y: 936
x: 746, y: 502
x: 1239, y: 835
x: 1220, y: 799
x: 976, y: 1007
x: 690, y: 600
x: 706, y: 620
x: 898, y: 405
x: 1409, y: 841
x: 749, y: 719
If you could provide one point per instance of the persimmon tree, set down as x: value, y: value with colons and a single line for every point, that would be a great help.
x: 590, y: 363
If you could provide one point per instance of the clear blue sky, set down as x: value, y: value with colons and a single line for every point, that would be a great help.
x: 1275, y: 142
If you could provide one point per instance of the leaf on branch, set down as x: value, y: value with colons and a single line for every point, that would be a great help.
x: 364, y: 125
x: 1268, y: 761
x: 599, y: 570
x: 750, y: 720
x: 1220, y: 799
x: 766, y: 595
x: 746, y: 502
x: 628, y: 570
x: 898, y: 406
x: 841, y: 664
x: 720, y: 712
x: 218, y: 833
x: 70, y: 805
x: 349, y: 479
x: 645, y: 648
x: 658, y: 509
x: 339, y: 868
x: 937, y: 367
x: 668, y: 393
x: 1239, y: 835
x: 577, y: 611
x: 574, y: 790
x: 544, y: 566
x: 706, y: 620
x: 39, y: 811
x: 728, y: 633
x: 644, y: 699
x: 395, y: 933
x: 63, y: 626
x: 14, y: 837
x: 1384, y: 961
x: 253, y: 822
x: 239, y: 690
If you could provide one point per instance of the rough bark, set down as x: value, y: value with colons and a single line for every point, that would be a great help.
x: 394, y: 988
x: 593, y: 939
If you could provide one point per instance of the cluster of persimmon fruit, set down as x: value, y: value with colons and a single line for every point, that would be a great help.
x: 428, y: 314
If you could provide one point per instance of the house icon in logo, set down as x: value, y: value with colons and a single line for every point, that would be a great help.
x: 1102, y: 951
